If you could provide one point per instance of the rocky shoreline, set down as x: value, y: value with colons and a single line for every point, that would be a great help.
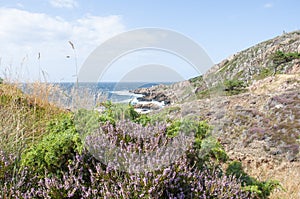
x: 151, y: 94
x: 152, y: 99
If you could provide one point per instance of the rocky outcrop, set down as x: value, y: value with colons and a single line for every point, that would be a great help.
x: 147, y: 106
x: 152, y: 94
x: 177, y: 92
x: 256, y: 62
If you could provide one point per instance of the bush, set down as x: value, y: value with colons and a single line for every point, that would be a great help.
x: 87, y: 178
x: 261, y: 189
x: 1, y: 80
x: 59, y: 166
x: 280, y: 57
x: 234, y: 86
x: 55, y: 149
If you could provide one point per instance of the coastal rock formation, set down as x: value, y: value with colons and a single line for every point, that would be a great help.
x: 152, y: 94
x: 147, y: 106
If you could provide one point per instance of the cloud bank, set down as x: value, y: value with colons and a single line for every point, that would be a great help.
x: 63, y: 3
x: 24, y: 34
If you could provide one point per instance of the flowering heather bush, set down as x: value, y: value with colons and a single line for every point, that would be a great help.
x: 88, y: 178
x: 134, y: 148
x: 147, y: 163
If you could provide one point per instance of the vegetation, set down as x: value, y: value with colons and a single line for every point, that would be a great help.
x: 70, y: 158
x: 228, y: 87
x: 280, y: 57
x: 234, y: 86
x: 262, y: 189
x: 264, y: 72
x: 59, y: 145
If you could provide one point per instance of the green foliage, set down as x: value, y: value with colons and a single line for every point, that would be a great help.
x: 143, y: 119
x: 115, y: 112
x: 261, y: 189
x: 203, y: 129
x: 234, y: 86
x: 173, y: 129
x: 264, y: 72
x: 208, y: 150
x: 196, y: 81
x: 1, y: 80
x: 211, y: 148
x: 280, y: 57
x: 55, y: 149
x: 133, y: 115
x: 5, y: 99
x: 88, y: 121
x: 200, y: 129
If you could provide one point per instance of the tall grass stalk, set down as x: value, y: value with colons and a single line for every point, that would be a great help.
x: 75, y: 59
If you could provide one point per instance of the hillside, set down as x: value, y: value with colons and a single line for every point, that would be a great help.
x: 253, y: 101
x: 279, y: 55
x: 263, y: 106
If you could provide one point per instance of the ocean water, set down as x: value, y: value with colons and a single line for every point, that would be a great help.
x: 114, y: 91
x: 87, y: 95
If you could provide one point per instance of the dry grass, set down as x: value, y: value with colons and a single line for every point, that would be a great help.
x: 275, y: 84
x: 287, y: 173
x: 23, y: 117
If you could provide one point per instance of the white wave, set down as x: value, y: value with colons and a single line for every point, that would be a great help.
x: 126, y: 93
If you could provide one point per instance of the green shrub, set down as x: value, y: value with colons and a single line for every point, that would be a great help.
x: 115, y: 112
x: 261, y: 189
x: 88, y: 121
x: 206, y: 150
x: 280, y: 57
x: 142, y: 119
x: 200, y: 129
x: 212, y: 149
x: 234, y: 86
x: 1, y: 80
x: 264, y: 72
x: 55, y: 149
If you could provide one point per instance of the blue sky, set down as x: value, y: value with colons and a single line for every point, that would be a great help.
x: 221, y: 28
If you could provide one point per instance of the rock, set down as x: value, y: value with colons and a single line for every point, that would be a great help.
x: 153, y: 93
x: 150, y: 106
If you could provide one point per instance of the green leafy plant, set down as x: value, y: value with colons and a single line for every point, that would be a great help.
x: 264, y: 72
x: 88, y: 121
x: 234, y: 86
x: 55, y: 149
x: 261, y: 189
x: 280, y: 57
x: 212, y: 149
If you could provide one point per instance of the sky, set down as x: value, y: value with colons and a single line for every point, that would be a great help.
x: 35, y: 34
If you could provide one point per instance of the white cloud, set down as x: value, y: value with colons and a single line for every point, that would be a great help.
x: 64, y: 3
x: 268, y: 5
x: 20, y: 5
x: 25, y: 34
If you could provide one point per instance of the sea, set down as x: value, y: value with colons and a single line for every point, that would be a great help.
x: 116, y: 92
